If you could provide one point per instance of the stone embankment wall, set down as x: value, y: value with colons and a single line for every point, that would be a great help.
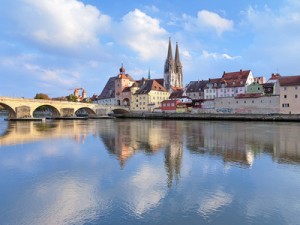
x: 211, y: 116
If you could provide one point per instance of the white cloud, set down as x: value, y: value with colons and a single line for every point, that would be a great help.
x: 186, y: 54
x: 216, y: 56
x: 53, y: 77
x: 142, y: 34
x: 67, y: 24
x: 152, y: 8
x: 208, y: 20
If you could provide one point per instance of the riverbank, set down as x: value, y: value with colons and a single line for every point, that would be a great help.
x: 210, y: 116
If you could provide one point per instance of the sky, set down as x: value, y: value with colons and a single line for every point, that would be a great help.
x: 54, y: 46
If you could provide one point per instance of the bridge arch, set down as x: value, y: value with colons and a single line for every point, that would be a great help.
x: 89, y: 111
x: 54, y: 111
x: 11, y: 111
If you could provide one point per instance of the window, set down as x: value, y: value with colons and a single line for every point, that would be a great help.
x: 296, y: 88
x: 285, y: 105
x: 285, y: 96
x: 296, y: 96
x: 284, y: 88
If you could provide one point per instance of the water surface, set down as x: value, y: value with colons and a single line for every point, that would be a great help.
x: 149, y: 172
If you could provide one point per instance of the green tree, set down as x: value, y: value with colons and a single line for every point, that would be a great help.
x: 72, y: 98
x: 41, y: 96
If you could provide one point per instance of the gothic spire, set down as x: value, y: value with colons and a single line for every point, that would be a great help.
x: 177, y: 59
x: 170, y: 56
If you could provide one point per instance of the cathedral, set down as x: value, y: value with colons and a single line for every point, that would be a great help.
x: 173, y: 70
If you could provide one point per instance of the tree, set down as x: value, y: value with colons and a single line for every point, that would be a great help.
x: 72, y: 98
x: 41, y: 96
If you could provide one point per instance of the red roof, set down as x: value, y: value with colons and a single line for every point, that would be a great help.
x: 150, y: 85
x: 236, y: 79
x: 289, y: 80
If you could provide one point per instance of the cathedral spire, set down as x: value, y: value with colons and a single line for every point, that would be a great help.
x: 170, y: 54
x: 177, y: 59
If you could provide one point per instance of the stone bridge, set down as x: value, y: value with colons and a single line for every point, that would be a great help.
x: 19, y: 108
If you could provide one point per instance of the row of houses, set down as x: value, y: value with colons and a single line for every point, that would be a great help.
x: 240, y: 92
x: 234, y: 92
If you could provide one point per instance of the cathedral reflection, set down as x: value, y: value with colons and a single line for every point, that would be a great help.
x: 129, y: 136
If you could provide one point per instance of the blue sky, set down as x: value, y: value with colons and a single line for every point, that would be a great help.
x: 52, y: 46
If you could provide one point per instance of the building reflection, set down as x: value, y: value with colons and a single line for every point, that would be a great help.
x: 238, y: 143
x: 127, y: 137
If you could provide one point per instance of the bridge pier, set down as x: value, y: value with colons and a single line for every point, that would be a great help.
x: 22, y: 112
x: 67, y: 112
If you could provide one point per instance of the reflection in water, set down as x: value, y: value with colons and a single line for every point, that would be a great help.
x: 149, y: 172
x: 129, y: 137
x: 237, y: 143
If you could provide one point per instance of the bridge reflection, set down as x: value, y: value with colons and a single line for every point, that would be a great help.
x: 14, y: 133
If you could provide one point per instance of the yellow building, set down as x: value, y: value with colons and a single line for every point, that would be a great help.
x: 148, y: 96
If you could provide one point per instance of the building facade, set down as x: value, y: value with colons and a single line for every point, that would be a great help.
x: 148, y: 96
x: 195, y: 89
x: 289, y: 94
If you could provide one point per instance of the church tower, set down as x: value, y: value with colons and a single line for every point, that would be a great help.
x: 173, y: 69
x: 178, y: 68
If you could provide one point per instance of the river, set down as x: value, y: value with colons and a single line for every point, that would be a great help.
x: 149, y: 172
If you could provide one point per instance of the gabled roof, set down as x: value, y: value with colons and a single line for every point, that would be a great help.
x: 109, y: 89
x: 242, y: 74
x: 236, y: 79
x: 150, y: 85
x: 139, y: 83
x: 289, y: 80
x: 196, y: 86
